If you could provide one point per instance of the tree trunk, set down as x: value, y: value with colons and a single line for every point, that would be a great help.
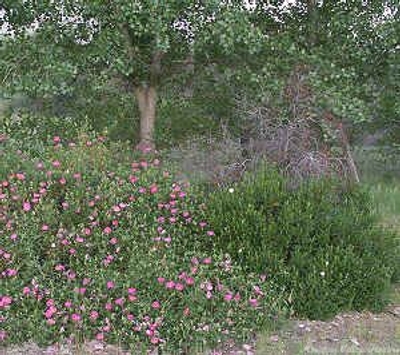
x: 146, y: 98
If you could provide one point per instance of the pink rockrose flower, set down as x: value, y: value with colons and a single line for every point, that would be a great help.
x: 253, y: 302
x: 170, y: 285
x: 119, y: 301
x: 132, y: 290
x: 179, y: 287
x: 207, y: 261
x: 94, y: 315
x: 156, y: 305
x: 26, y: 206
x: 100, y: 336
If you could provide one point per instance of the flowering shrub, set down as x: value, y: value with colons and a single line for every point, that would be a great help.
x: 97, y: 243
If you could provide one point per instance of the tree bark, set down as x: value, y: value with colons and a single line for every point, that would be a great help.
x: 146, y: 97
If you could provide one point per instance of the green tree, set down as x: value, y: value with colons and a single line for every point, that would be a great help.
x: 139, y: 44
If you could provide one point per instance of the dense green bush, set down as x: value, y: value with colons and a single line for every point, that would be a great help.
x: 319, y: 239
x: 96, y: 242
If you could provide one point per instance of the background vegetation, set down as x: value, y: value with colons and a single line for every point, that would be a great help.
x: 273, y: 190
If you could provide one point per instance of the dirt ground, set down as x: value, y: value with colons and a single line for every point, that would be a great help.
x: 350, y: 333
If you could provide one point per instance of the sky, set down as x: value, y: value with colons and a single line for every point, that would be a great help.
x: 389, y: 13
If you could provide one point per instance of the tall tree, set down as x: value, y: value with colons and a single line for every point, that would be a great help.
x: 50, y: 44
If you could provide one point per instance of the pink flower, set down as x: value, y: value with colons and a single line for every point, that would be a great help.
x: 26, y: 291
x: 62, y: 181
x: 59, y: 267
x: 130, y: 317
x: 108, y: 306
x: 56, y: 164
x: 87, y: 231
x: 81, y: 290
x: 113, y: 241
x: 142, y: 190
x: 228, y: 297
x: 45, y: 227
x: 100, y: 336
x: 56, y: 139
x: 50, y: 321
x: 120, y: 301
x: 68, y: 304
x: 14, y: 236
x: 110, y: 285
x: 5, y: 301
x: 50, y: 302
x: 26, y: 206
x: 116, y: 209
x: 257, y: 290
x: 167, y: 239
x: 94, y: 315
x: 3, y: 335
x: 154, y: 340
x: 149, y: 332
x: 253, y: 302
x: 85, y: 281
x: 170, y: 285
x: 160, y: 280
x: 107, y: 230
x: 20, y: 176
x: 189, y: 281
x: 132, y: 298
x: 210, y: 233
x: 132, y: 291
x: 237, y: 297
x: 156, y: 305
x: 186, y: 311
x: 153, y: 189
x: 207, y: 261
x: 179, y: 286
x: 209, y: 294
x: 50, y: 312
x: 133, y: 179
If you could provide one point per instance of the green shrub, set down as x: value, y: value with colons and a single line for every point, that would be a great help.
x: 320, y: 240
x: 99, y: 243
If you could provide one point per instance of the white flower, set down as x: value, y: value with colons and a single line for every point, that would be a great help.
x: 322, y: 273
x: 231, y: 190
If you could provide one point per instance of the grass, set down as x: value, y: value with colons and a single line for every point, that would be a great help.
x: 386, y: 196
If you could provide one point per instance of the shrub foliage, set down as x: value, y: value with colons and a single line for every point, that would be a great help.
x: 319, y: 239
x: 98, y: 243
